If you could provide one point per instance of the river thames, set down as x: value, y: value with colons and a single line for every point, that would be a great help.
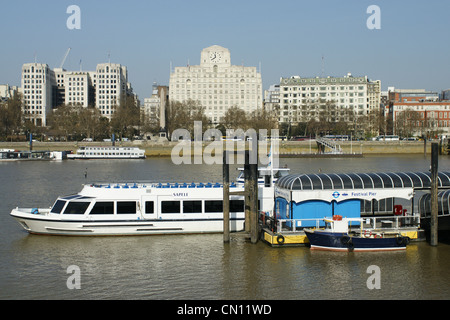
x: 197, y: 267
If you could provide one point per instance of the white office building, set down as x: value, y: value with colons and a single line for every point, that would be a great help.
x: 111, y: 84
x: 77, y: 86
x: 7, y: 92
x: 151, y: 105
x: 272, y: 98
x: 37, y: 84
x: 44, y: 89
x: 217, y: 84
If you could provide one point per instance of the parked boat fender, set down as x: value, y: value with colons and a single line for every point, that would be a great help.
x: 350, y: 244
x: 345, y: 240
x: 402, y: 240
x: 280, y: 239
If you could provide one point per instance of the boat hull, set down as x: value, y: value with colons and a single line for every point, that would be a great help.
x: 92, y: 152
x: 78, y: 157
x: 49, y: 224
x: 335, y: 241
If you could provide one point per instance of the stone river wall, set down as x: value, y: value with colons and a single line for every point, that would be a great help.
x: 294, y: 148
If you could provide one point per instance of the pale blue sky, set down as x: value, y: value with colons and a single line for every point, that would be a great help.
x: 411, y: 50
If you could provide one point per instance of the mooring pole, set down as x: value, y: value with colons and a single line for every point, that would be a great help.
x: 253, y: 188
x: 434, y: 195
x: 247, y: 191
x: 253, y: 180
x: 424, y: 145
x: 226, y: 197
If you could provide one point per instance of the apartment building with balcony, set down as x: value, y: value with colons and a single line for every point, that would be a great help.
x: 303, y: 99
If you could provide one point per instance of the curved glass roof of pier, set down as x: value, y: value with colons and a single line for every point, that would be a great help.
x: 388, y: 180
x: 443, y: 203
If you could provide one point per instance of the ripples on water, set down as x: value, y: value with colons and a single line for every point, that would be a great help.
x: 196, y: 266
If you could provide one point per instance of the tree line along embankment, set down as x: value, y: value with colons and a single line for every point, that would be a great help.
x: 164, y: 149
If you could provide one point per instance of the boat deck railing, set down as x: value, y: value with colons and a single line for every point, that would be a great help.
x: 385, y: 223
x: 168, y: 185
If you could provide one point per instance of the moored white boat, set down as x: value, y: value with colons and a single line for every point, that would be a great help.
x: 86, y: 152
x: 140, y: 209
x: 264, y: 175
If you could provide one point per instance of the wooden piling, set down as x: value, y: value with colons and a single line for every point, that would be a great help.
x: 226, y: 198
x: 250, y: 194
x: 253, y: 190
x: 434, y: 195
x: 424, y: 146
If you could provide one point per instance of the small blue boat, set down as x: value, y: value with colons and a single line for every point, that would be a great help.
x: 336, y: 237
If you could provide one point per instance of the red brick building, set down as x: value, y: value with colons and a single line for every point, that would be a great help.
x: 421, y: 118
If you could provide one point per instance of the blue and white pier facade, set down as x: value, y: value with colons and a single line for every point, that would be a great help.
x: 303, y: 200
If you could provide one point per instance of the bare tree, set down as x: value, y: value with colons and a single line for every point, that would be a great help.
x: 407, y: 123
x: 235, y: 118
x: 11, y: 115
x: 262, y: 119
x: 126, y: 118
x: 63, y: 121
x: 182, y: 115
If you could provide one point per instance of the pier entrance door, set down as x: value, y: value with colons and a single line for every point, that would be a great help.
x: 149, y: 207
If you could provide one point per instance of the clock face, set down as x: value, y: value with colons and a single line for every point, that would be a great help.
x: 215, y: 56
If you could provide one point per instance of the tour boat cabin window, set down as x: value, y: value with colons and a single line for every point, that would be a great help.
x: 59, y: 205
x: 170, y: 206
x: 192, y: 206
x: 126, y: 207
x: 236, y: 205
x: 75, y: 207
x: 212, y: 206
x: 149, y: 207
x: 103, y: 208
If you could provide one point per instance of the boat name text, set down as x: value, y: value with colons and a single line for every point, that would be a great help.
x: 180, y: 194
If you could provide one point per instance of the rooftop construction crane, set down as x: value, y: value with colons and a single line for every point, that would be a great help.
x: 65, y: 57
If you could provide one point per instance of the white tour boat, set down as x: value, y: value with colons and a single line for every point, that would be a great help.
x: 111, y: 152
x: 141, y: 209
x: 264, y: 175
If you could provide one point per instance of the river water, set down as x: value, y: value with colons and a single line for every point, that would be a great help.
x: 198, y: 266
